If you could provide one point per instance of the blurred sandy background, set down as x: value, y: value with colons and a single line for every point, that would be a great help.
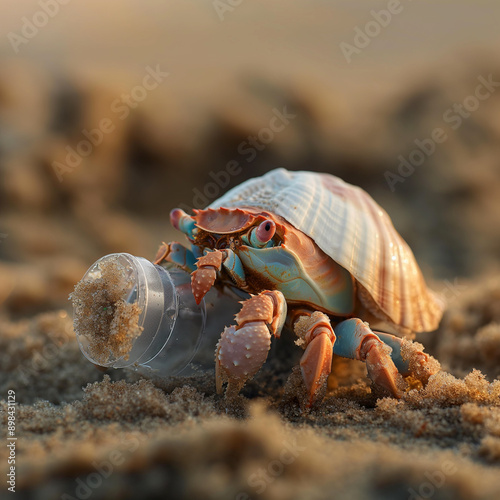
x: 225, y: 78
x: 231, y: 68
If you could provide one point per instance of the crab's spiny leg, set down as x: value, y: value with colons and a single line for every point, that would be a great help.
x: 203, y: 278
x: 355, y: 340
x: 242, y: 348
x: 409, y: 358
x: 177, y: 254
x: 317, y: 336
x: 209, y: 265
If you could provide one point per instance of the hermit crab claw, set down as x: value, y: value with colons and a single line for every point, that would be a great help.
x: 206, y: 273
x: 243, y: 348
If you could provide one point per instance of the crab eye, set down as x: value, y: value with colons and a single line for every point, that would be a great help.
x: 263, y: 233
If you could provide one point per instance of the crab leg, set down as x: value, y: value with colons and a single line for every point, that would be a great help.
x: 316, y: 335
x: 351, y: 339
x: 177, y: 254
x: 355, y: 340
x: 242, y: 348
x: 409, y: 358
x: 203, y: 278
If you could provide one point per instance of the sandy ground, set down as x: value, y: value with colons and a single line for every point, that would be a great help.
x: 127, y: 438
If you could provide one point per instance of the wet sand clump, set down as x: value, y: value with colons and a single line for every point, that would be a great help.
x: 103, y: 317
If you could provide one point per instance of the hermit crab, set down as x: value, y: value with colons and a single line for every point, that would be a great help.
x: 319, y: 253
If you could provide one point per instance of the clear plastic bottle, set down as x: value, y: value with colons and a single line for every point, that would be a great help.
x: 131, y: 313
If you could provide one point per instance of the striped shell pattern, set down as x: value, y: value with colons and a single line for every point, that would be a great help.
x: 351, y: 228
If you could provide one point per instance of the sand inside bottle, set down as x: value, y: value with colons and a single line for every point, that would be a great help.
x: 104, y: 314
